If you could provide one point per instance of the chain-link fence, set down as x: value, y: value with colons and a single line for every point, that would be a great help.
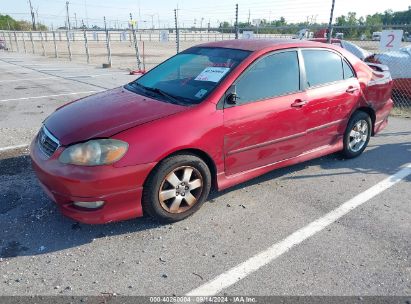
x: 143, y: 50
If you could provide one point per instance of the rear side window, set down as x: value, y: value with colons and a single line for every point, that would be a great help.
x: 322, y: 67
x: 348, y: 72
x: 274, y: 75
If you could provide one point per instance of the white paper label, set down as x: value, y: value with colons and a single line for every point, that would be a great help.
x: 201, y: 93
x: 213, y: 74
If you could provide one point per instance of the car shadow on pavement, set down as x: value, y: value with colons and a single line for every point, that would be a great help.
x: 31, y: 224
x: 376, y: 159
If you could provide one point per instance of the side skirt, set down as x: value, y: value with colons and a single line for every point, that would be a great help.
x: 225, y: 182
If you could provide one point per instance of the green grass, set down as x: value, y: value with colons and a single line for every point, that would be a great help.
x: 401, y: 112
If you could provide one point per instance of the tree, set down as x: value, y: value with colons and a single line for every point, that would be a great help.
x: 224, y: 24
x: 8, y: 23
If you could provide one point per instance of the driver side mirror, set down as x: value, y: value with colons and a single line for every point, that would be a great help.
x: 232, y: 97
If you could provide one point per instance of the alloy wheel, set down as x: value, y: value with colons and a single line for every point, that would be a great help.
x: 181, y: 189
x: 358, y: 136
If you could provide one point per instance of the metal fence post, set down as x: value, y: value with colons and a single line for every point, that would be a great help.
x: 11, y: 43
x: 42, y: 44
x: 135, y: 42
x: 24, y: 42
x: 32, y: 42
x: 177, y: 32
x: 68, y: 44
x: 17, y: 44
x: 4, y: 37
x: 55, y: 45
x: 107, y: 43
x: 236, y: 22
x: 86, y: 42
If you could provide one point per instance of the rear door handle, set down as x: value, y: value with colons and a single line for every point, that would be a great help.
x: 352, y: 90
x: 299, y: 103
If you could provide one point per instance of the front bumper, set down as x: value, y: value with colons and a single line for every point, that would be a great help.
x: 119, y: 187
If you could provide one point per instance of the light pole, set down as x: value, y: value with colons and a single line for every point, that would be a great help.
x: 330, y: 25
x: 33, y: 20
x: 68, y: 16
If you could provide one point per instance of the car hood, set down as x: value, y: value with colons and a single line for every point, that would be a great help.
x: 105, y: 114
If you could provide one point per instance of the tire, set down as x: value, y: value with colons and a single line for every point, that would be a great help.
x: 357, y: 135
x: 171, y: 184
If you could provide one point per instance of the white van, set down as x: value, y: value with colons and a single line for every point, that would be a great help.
x: 376, y: 36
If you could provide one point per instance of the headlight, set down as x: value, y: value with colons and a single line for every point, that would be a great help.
x: 94, y: 152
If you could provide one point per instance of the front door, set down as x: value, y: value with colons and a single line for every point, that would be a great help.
x: 267, y: 123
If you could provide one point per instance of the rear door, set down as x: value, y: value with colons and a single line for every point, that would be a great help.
x: 332, y: 93
x: 266, y: 125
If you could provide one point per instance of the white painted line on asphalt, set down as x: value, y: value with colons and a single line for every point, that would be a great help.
x: 43, y: 70
x: 93, y: 76
x: 263, y: 258
x: 25, y: 79
x: 52, y: 77
x: 13, y: 147
x: 47, y: 96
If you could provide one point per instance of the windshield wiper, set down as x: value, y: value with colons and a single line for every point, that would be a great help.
x: 170, y: 97
x: 163, y: 93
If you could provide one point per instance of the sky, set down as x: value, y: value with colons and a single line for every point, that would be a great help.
x: 160, y: 13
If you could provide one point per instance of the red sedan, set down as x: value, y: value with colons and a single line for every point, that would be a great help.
x: 213, y: 116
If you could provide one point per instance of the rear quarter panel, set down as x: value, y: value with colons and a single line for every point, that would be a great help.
x: 376, y: 87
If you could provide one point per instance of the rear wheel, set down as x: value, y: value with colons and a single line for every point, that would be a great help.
x: 177, y: 188
x: 357, y: 135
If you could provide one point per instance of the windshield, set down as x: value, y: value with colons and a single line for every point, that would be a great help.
x: 189, y: 77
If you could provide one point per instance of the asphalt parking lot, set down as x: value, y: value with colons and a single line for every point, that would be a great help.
x: 364, y: 251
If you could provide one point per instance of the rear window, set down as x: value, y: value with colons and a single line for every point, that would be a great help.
x: 322, y: 67
x: 348, y: 72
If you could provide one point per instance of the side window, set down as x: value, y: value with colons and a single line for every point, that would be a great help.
x: 348, y: 72
x: 274, y: 75
x: 322, y: 67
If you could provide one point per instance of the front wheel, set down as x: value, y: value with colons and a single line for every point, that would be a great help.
x: 357, y: 135
x: 177, y: 188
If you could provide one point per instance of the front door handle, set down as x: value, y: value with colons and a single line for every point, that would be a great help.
x: 299, y: 103
x: 352, y: 90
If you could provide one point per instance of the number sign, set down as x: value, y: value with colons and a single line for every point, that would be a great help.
x: 391, y: 40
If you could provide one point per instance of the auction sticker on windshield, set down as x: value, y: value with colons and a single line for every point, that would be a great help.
x: 201, y: 93
x: 213, y: 74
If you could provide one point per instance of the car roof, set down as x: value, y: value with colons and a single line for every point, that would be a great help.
x: 262, y: 44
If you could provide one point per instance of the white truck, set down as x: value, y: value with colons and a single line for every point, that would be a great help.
x: 376, y: 36
x: 303, y: 34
